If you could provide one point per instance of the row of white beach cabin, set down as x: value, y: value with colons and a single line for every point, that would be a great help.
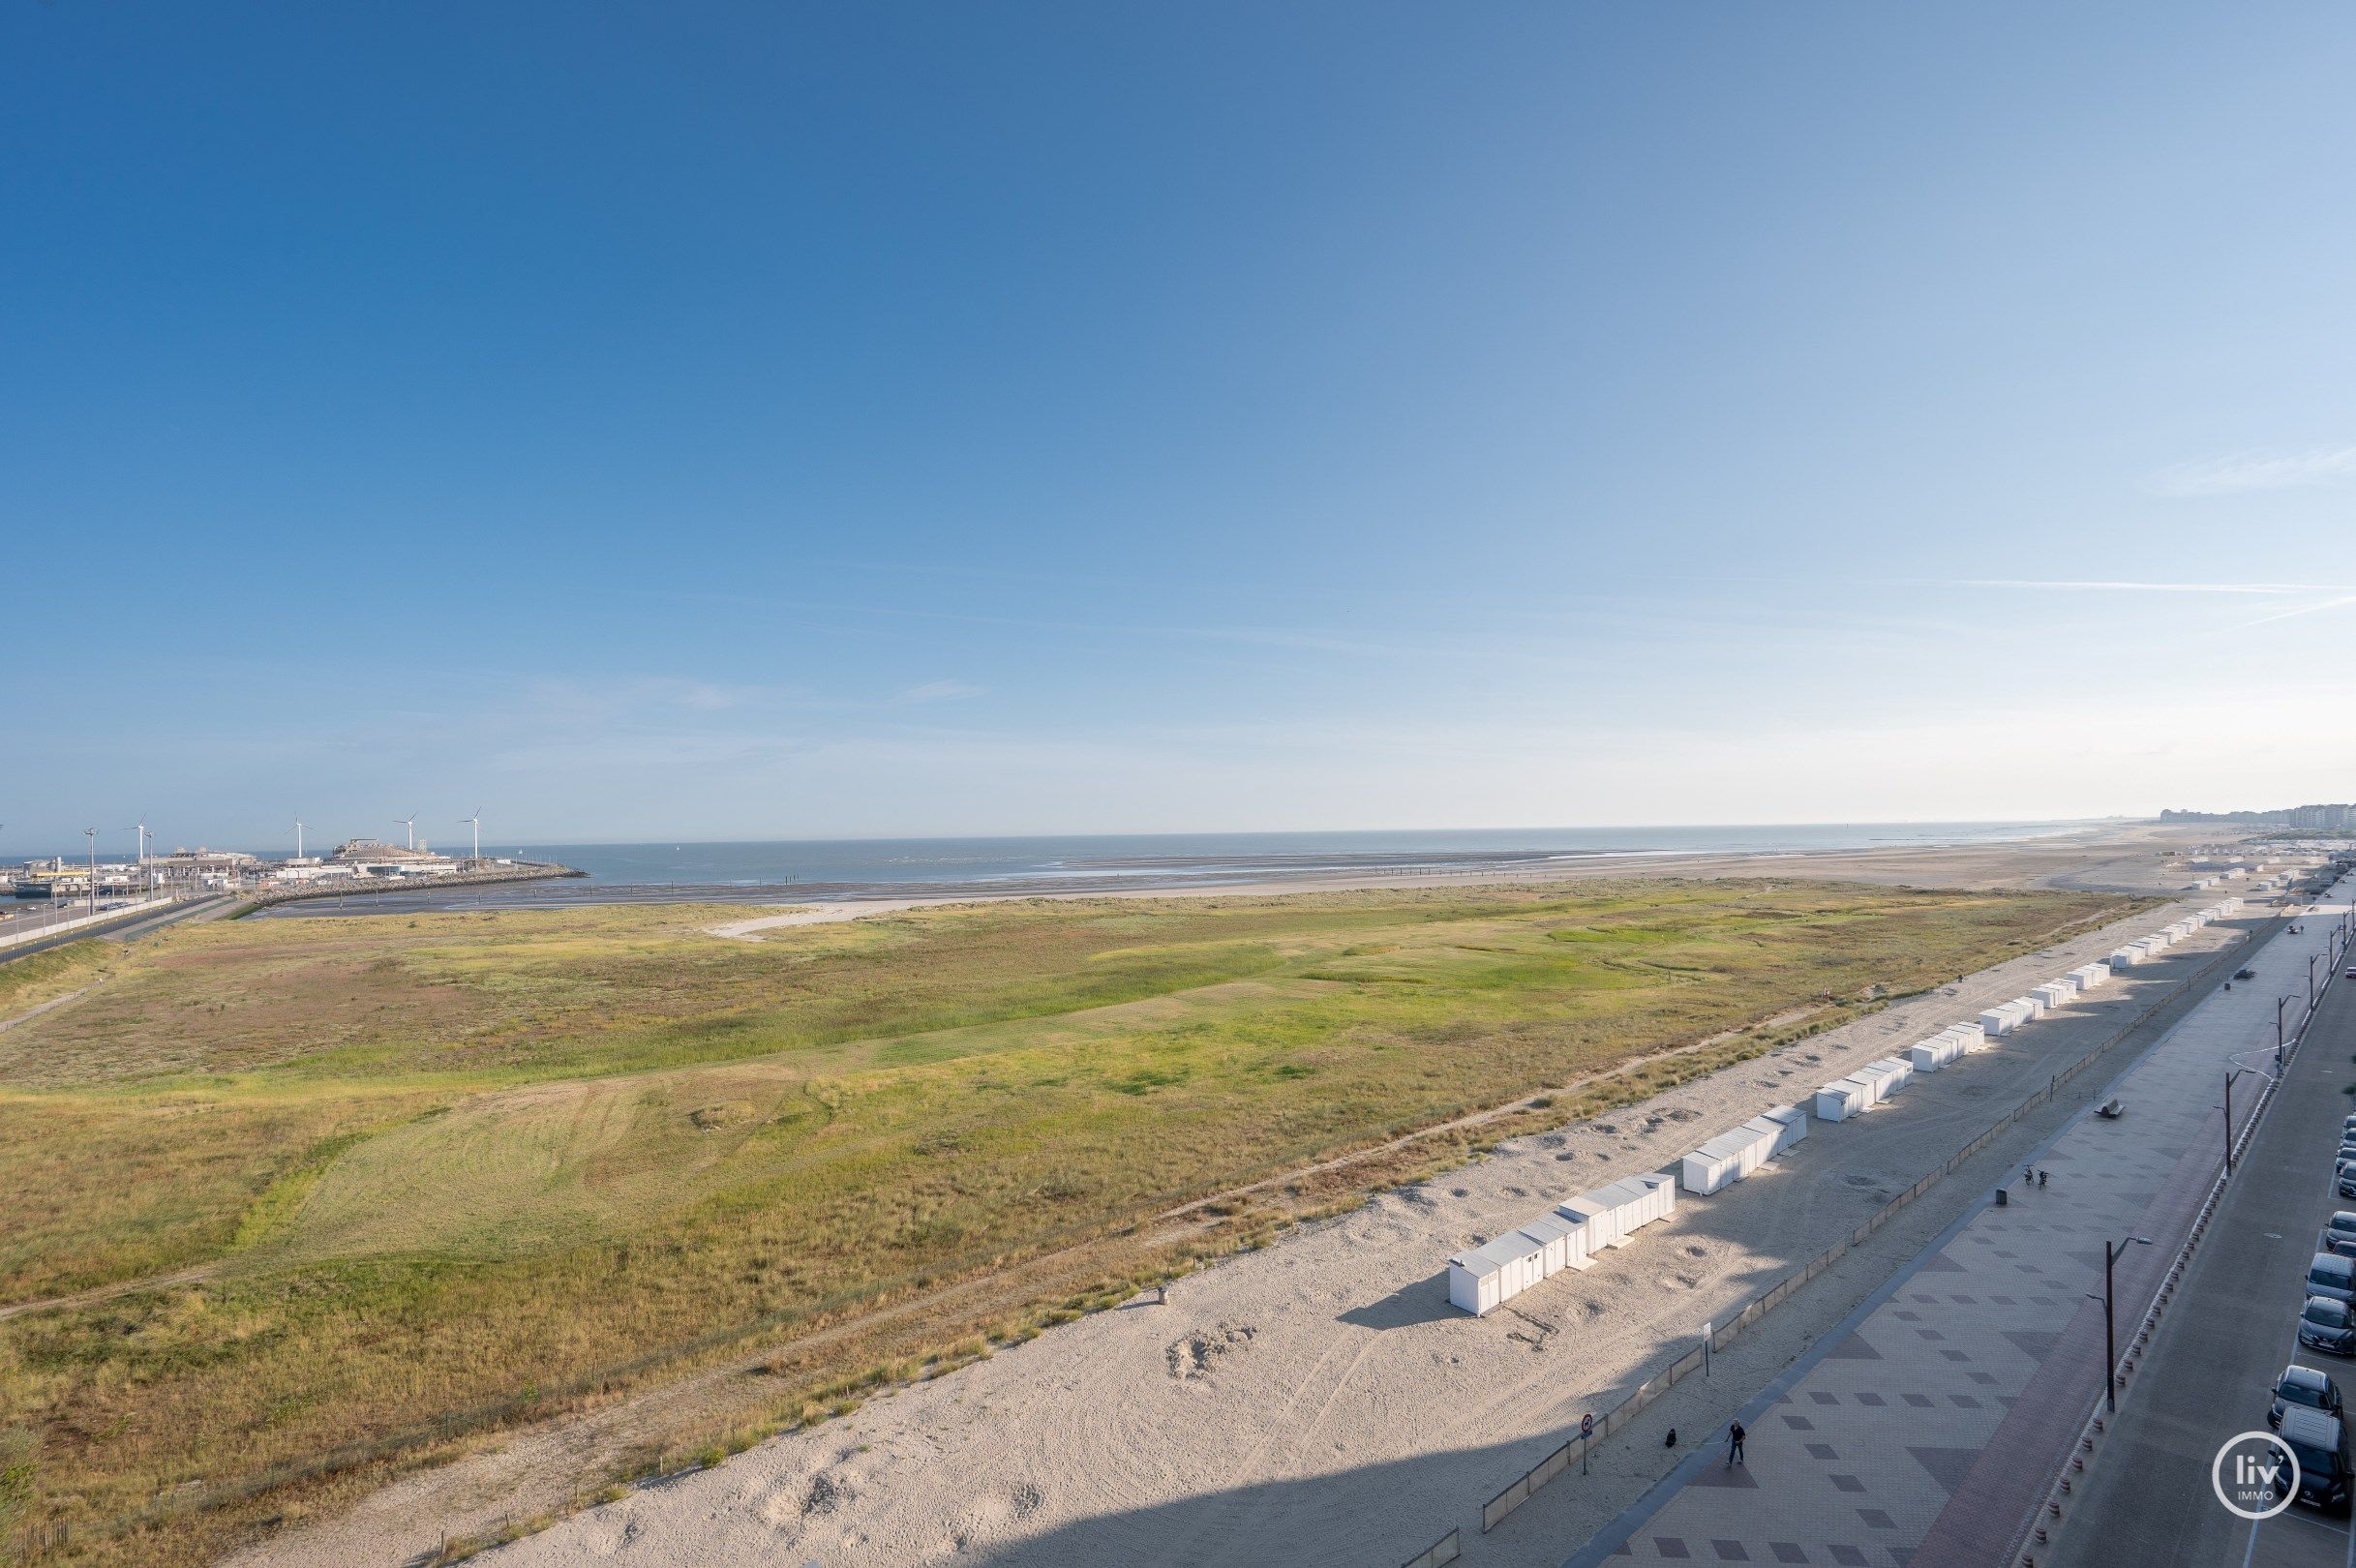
x: 1486, y: 1276
x: 1728, y: 1158
x: 2158, y: 941
x: 1489, y: 1276
x: 1863, y: 1090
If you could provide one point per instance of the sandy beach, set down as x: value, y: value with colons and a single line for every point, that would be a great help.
x: 2128, y: 859
x: 1317, y: 1402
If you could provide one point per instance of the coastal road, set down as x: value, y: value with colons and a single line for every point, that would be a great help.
x: 2227, y: 1336
x: 131, y: 925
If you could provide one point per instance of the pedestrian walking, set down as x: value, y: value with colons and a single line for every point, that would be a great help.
x: 1733, y: 1445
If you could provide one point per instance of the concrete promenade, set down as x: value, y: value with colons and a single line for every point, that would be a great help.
x: 1929, y: 1425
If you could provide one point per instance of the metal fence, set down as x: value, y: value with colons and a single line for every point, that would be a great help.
x: 1447, y: 1549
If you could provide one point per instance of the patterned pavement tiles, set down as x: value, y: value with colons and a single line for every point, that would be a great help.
x: 1854, y: 1456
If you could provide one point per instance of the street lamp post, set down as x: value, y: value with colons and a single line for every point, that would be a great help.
x: 2110, y: 1339
x: 91, y: 834
x: 2231, y: 1073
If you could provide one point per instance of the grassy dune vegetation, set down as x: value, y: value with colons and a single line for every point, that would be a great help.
x: 445, y: 1172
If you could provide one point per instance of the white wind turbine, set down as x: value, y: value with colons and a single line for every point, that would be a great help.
x: 476, y: 821
x: 411, y: 823
x: 299, y: 838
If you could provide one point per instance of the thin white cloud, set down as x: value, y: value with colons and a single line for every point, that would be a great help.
x: 2256, y: 471
x: 936, y: 691
x: 2153, y: 587
x: 2336, y: 602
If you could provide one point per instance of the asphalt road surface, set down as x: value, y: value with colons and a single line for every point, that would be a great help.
x: 130, y: 925
x: 2231, y: 1329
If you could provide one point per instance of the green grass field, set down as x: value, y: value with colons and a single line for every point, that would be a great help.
x: 452, y: 1171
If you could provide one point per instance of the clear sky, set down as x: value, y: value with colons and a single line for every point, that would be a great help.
x: 711, y: 420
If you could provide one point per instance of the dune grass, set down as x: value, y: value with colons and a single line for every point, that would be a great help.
x: 455, y: 1170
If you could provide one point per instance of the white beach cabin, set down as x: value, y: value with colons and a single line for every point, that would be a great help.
x: 1838, y: 1101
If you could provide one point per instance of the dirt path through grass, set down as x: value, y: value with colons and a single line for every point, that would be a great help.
x: 107, y: 1292
x: 32, y: 1012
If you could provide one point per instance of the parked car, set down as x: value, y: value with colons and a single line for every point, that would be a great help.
x: 2346, y: 1179
x: 2328, y: 1273
x: 2325, y: 1326
x: 2306, y: 1388
x: 2339, y: 1234
x: 2320, y: 1442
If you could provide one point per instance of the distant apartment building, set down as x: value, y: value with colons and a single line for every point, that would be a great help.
x: 2327, y: 819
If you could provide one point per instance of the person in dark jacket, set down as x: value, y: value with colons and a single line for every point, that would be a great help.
x: 1734, y: 1444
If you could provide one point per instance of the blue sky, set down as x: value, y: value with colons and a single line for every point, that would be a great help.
x: 725, y: 420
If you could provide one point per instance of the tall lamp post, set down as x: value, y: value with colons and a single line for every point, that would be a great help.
x: 2231, y: 1073
x: 91, y: 834
x: 2110, y: 1339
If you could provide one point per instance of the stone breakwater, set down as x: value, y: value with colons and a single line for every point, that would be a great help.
x: 521, y: 871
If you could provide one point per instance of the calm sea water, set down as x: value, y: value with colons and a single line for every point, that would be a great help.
x: 791, y: 869
x: 871, y: 860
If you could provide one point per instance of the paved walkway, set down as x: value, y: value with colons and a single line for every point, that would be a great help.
x: 1955, y: 1383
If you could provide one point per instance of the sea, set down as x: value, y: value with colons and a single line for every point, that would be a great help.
x: 805, y: 870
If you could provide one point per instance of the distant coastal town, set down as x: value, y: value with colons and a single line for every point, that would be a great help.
x: 357, y: 864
